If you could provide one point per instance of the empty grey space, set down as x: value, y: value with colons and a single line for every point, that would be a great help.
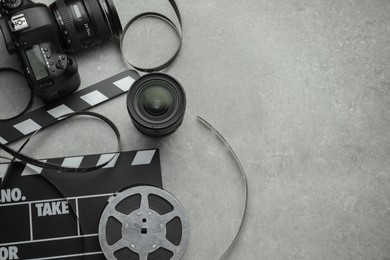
x: 300, y: 89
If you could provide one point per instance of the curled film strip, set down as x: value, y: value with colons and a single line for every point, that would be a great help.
x: 31, y: 96
x: 244, y: 179
x: 39, y: 163
x: 82, y: 100
x: 147, y: 223
x: 178, y: 30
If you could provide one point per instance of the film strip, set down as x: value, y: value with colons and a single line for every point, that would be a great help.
x: 50, y: 215
x: 82, y: 100
x: 178, y: 29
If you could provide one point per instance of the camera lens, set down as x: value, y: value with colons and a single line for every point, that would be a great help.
x: 86, y: 23
x: 156, y: 104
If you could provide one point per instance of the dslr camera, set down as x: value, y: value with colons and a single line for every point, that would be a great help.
x: 41, y: 36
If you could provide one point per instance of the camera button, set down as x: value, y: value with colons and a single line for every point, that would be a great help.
x: 60, y: 65
x: 53, y: 70
x: 48, y: 56
x: 45, y: 49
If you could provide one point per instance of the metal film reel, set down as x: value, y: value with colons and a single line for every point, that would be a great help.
x: 143, y: 223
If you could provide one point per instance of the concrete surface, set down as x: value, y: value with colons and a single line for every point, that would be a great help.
x: 301, y: 90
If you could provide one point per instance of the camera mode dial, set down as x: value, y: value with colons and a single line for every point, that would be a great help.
x: 12, y: 4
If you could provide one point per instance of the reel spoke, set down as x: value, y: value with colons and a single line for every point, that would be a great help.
x: 168, y: 217
x: 122, y: 218
x: 144, y: 201
x: 118, y: 245
x: 165, y: 243
x: 143, y: 256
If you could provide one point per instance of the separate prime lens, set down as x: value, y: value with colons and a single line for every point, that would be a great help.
x: 86, y: 23
x: 156, y: 104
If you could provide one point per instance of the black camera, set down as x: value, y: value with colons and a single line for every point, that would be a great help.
x: 41, y: 36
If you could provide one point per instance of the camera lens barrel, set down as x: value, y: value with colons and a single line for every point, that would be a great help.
x: 156, y: 103
x: 86, y: 23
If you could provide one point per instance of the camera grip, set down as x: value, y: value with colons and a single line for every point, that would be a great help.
x: 64, y: 81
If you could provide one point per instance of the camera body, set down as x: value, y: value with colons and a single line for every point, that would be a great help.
x: 31, y: 32
x: 41, y: 36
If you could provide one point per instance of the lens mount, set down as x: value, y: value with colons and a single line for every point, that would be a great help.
x: 156, y: 103
x: 86, y: 23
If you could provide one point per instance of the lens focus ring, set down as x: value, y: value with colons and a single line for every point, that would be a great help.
x: 68, y: 28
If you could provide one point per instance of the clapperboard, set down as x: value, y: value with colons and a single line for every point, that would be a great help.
x: 52, y: 215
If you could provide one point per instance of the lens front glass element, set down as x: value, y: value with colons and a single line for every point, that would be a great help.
x: 156, y: 100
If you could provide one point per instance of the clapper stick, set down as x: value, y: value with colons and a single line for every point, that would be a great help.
x: 82, y: 100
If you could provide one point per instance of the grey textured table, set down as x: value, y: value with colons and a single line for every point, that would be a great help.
x: 301, y: 90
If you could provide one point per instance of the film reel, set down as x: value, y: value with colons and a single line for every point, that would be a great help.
x: 143, y: 223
